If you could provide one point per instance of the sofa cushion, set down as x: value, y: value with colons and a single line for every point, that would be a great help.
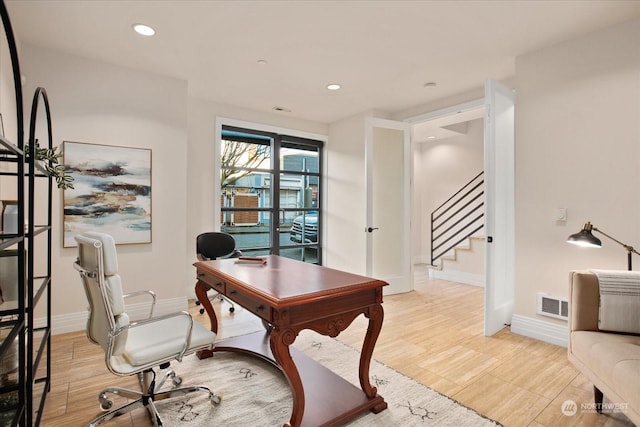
x: 619, y: 309
x: 614, y: 358
x: 626, y: 377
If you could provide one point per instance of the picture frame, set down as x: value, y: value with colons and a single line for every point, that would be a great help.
x: 111, y: 194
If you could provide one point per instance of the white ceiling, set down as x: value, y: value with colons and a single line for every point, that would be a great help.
x: 382, y: 52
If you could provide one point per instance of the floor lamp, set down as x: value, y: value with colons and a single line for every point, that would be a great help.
x: 586, y: 238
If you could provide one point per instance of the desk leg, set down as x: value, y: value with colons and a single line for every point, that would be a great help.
x: 280, y: 340
x: 375, y: 315
x: 201, y: 293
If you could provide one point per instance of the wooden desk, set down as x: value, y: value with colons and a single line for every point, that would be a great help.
x: 291, y: 296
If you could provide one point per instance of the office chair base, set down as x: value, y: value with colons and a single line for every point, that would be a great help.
x: 221, y: 297
x: 145, y: 398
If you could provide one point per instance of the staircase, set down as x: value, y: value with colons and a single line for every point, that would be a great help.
x: 456, y: 238
x: 463, y: 264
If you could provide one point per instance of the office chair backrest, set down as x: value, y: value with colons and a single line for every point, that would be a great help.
x: 214, y: 245
x: 98, y: 264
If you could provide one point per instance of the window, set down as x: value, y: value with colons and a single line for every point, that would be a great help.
x: 271, y: 193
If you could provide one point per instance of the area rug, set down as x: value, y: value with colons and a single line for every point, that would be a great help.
x: 256, y: 394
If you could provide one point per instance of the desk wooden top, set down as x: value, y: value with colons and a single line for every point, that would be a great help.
x: 284, y: 281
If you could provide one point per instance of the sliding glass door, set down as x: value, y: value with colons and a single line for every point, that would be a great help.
x: 271, y: 193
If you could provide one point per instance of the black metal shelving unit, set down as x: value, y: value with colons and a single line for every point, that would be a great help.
x: 38, y: 242
x: 25, y: 348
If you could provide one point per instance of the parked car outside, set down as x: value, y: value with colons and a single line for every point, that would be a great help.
x: 304, y: 228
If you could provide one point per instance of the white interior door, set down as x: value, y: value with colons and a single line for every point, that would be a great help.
x: 499, y: 206
x: 388, y: 192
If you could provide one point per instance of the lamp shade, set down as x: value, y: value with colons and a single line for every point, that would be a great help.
x: 585, y: 237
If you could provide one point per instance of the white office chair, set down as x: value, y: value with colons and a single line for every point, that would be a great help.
x: 133, y: 347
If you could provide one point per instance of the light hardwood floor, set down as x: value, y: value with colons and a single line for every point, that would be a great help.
x: 433, y: 334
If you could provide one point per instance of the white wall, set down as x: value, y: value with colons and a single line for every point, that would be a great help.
x: 346, y: 198
x: 98, y: 103
x: 441, y: 168
x: 577, y: 147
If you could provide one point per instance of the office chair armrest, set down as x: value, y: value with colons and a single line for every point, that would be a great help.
x: 158, y: 319
x: 138, y: 323
x: 146, y: 293
x: 235, y: 254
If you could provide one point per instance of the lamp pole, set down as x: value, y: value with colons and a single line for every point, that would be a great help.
x: 629, y: 248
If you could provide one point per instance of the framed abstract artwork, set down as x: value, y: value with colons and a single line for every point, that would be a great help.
x: 111, y: 194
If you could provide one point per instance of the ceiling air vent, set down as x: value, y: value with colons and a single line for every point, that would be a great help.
x: 283, y: 109
x: 551, y: 306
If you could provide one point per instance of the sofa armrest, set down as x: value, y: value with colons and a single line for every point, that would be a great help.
x: 584, y: 301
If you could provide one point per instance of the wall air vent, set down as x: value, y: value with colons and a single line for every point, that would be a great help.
x: 548, y: 305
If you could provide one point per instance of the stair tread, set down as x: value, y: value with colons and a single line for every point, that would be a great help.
x: 452, y: 254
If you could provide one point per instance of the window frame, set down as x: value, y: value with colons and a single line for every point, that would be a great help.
x: 278, y: 141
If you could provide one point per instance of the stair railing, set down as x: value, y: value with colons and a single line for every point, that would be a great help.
x: 458, y: 218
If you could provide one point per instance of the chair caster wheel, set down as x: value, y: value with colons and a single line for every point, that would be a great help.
x: 215, y: 399
x: 176, y: 381
x: 232, y: 309
x: 201, y: 310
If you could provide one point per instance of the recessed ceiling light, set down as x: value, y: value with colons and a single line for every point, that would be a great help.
x: 333, y: 86
x: 431, y: 137
x: 143, y: 30
x: 262, y: 62
x: 430, y: 84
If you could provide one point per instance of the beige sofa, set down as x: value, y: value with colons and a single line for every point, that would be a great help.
x: 610, y: 360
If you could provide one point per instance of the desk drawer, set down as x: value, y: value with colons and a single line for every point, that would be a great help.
x: 254, y: 305
x: 214, y: 282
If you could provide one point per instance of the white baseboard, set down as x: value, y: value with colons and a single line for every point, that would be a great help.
x: 458, y: 276
x: 73, y: 322
x: 540, y: 330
